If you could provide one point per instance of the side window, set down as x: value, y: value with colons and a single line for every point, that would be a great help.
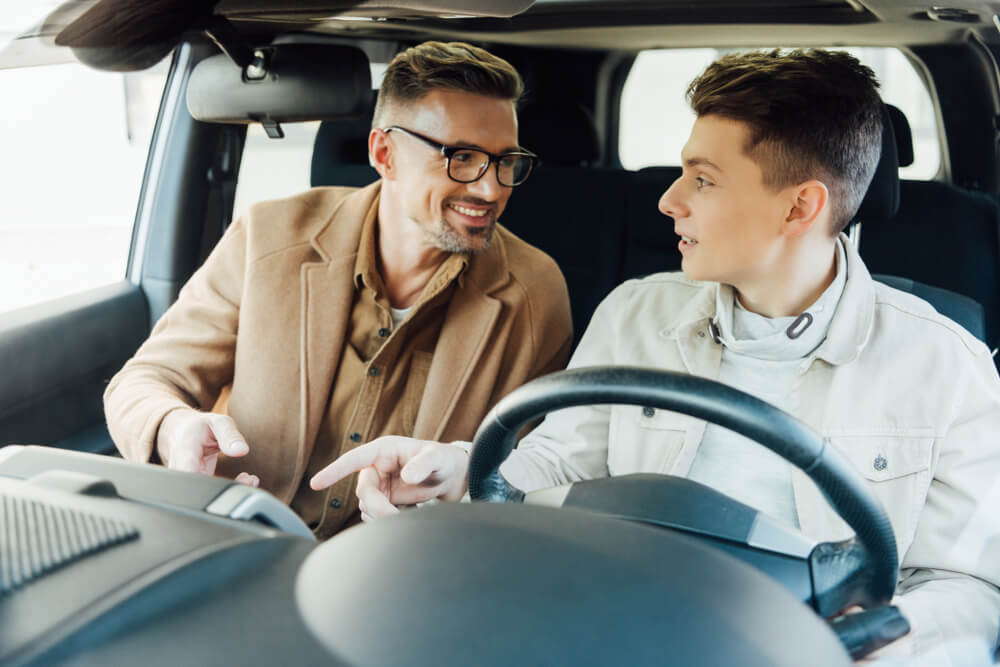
x: 656, y: 120
x: 275, y: 168
x: 75, y: 142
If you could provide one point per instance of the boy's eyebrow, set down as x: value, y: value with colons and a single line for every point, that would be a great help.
x: 700, y: 161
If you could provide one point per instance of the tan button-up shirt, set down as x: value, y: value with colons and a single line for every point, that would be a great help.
x: 380, y: 379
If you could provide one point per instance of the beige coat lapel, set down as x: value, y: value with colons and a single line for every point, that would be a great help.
x: 327, y: 295
x: 465, y: 336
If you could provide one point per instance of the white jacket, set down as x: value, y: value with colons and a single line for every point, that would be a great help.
x: 893, y: 380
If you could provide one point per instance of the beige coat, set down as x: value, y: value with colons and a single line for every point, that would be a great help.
x: 267, y: 314
x: 893, y: 379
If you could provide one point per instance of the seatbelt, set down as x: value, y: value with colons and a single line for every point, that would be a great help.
x: 221, y: 177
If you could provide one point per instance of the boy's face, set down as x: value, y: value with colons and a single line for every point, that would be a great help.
x: 729, y: 222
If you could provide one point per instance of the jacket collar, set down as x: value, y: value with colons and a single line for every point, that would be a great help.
x: 849, y: 331
x: 696, y: 313
x: 854, y: 317
x: 337, y: 241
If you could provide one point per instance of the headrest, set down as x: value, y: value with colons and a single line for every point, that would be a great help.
x: 340, y: 152
x: 561, y: 134
x: 297, y: 82
x: 882, y: 199
x: 904, y: 138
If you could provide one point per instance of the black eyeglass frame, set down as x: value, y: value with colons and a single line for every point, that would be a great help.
x: 449, y: 151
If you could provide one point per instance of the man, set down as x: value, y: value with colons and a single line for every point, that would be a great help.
x: 776, y: 301
x: 340, y: 315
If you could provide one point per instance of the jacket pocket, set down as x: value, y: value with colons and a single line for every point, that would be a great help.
x: 644, y: 439
x: 898, y: 470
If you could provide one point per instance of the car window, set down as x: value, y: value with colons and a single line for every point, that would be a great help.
x: 274, y: 168
x: 653, y: 99
x: 75, y: 142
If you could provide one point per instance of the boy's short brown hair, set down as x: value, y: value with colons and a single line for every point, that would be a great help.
x: 811, y: 113
x: 418, y: 70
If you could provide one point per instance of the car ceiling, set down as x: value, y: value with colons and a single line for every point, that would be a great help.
x: 637, y: 24
x: 597, y: 24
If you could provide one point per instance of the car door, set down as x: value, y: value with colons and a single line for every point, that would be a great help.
x: 112, y: 194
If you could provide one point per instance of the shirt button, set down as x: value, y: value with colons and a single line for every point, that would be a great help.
x: 384, y: 333
x: 335, y: 503
x: 374, y: 371
x: 648, y: 411
x: 880, y: 463
x: 355, y: 437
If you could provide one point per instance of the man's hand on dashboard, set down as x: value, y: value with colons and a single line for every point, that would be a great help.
x: 394, y: 470
x: 190, y: 440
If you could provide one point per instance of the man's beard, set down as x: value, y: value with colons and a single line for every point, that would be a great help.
x: 447, y: 238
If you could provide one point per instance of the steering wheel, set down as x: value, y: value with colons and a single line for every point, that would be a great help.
x: 862, y: 571
x: 510, y: 582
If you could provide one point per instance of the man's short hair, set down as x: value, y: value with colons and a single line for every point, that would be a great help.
x: 418, y: 70
x: 811, y: 113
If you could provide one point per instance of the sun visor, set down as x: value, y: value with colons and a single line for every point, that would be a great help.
x: 124, y: 35
x: 285, y: 83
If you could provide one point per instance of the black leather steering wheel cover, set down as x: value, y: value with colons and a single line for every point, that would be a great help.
x: 705, y: 399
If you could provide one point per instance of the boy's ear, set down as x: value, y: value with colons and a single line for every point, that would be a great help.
x: 380, y: 153
x: 808, y: 205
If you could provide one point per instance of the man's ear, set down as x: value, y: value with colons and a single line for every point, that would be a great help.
x: 380, y: 153
x: 808, y: 205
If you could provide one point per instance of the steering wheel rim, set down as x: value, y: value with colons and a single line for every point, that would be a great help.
x: 705, y: 399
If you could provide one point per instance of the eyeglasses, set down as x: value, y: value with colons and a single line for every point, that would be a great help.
x: 467, y: 165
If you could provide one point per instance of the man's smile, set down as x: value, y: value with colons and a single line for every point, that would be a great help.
x: 474, y: 215
x: 464, y: 210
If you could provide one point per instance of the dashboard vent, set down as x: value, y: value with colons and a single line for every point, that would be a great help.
x: 37, y: 538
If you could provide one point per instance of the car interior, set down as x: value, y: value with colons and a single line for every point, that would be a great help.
x: 106, y: 562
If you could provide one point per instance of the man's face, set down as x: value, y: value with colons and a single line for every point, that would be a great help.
x: 728, y: 220
x: 455, y: 217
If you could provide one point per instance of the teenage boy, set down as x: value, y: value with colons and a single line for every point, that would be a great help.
x: 775, y: 301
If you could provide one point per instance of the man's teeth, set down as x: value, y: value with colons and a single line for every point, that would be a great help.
x: 470, y: 211
x: 688, y: 239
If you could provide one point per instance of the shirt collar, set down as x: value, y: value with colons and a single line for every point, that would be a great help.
x: 366, y: 273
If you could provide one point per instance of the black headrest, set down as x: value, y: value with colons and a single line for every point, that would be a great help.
x: 561, y: 134
x: 882, y: 199
x: 340, y: 152
x: 904, y: 137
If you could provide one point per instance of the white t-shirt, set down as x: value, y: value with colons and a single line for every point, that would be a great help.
x: 398, y: 315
